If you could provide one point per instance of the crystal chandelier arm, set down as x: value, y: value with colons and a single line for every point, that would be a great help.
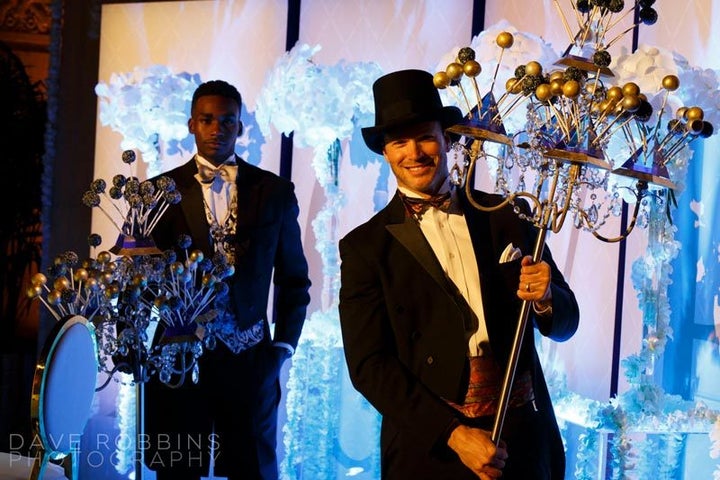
x: 627, y: 231
x: 558, y: 216
x: 642, y: 188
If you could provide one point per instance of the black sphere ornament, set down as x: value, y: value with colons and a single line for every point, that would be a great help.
x: 583, y: 6
x: 648, y: 16
x: 466, y: 54
x: 616, y: 6
x: 602, y: 58
x: 128, y: 156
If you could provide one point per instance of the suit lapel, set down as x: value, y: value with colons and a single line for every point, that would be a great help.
x: 406, y: 231
x: 193, y: 207
x: 479, y: 226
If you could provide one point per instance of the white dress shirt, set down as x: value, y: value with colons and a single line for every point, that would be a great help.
x: 449, y: 238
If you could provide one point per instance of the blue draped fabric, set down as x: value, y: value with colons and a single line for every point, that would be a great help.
x: 692, y: 359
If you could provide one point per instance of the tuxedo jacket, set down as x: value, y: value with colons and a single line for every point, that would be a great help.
x: 268, y: 245
x: 406, y: 327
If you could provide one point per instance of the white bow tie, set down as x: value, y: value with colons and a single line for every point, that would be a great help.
x: 225, y: 172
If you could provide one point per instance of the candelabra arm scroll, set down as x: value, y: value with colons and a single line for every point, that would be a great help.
x: 509, y: 377
x: 469, y: 172
x: 642, y: 189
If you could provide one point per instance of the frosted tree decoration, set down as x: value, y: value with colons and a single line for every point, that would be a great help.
x: 321, y: 105
x: 148, y: 107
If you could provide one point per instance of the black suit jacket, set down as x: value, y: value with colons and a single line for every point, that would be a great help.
x: 268, y: 246
x: 406, y: 326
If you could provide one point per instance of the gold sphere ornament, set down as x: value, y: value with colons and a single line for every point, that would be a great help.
x: 533, y: 68
x: 81, y: 274
x: 112, y: 291
x: 92, y: 284
x: 104, y: 257
x: 140, y: 280
x: 556, y: 86
x: 208, y: 280
x: 177, y: 268
x: 197, y: 256
x: 513, y: 85
x: 472, y: 68
x: 61, y: 283
x: 670, y: 82
x: 695, y: 113
x: 54, y: 297
x: 505, y: 40
x: 631, y: 103
x: 571, y: 89
x: 38, y: 279
x: 543, y: 92
x: 106, y: 278
x: 454, y: 71
x: 33, y: 291
x: 556, y: 75
x: 441, y: 80
x: 614, y: 94
x: 681, y: 113
x: 631, y: 89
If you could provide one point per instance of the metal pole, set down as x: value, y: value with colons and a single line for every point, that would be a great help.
x: 139, y: 428
x: 515, y: 351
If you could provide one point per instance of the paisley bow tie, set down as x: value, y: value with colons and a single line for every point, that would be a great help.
x: 418, y: 206
x: 226, y: 172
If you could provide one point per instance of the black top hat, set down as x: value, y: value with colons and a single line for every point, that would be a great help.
x: 406, y: 97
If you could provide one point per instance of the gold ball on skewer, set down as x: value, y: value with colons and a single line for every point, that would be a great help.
x: 681, y: 113
x: 92, y: 284
x: 177, y: 268
x: 556, y: 75
x: 614, y: 94
x: 606, y: 106
x: 197, y: 256
x: 571, y: 88
x: 543, y: 92
x: 106, y: 278
x: 454, y: 71
x: 556, y: 86
x: 112, y: 291
x: 630, y: 103
x: 54, y: 297
x: 533, y: 68
x: 140, y: 280
x: 670, y: 82
x: 208, y: 280
x: 33, y: 291
x: 441, y: 80
x: 505, y: 40
x: 61, y: 283
x: 695, y: 113
x: 472, y: 68
x: 631, y: 88
x: 81, y: 274
x: 513, y: 85
x: 38, y: 279
x: 104, y: 257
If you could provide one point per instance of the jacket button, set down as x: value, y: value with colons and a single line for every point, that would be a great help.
x: 429, y: 360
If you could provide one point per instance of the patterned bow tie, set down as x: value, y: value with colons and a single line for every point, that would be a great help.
x: 226, y: 172
x: 418, y: 206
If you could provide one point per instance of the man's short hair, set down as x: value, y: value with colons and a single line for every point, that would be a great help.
x: 216, y: 87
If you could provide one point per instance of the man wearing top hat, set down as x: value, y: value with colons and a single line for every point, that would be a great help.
x: 430, y: 295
